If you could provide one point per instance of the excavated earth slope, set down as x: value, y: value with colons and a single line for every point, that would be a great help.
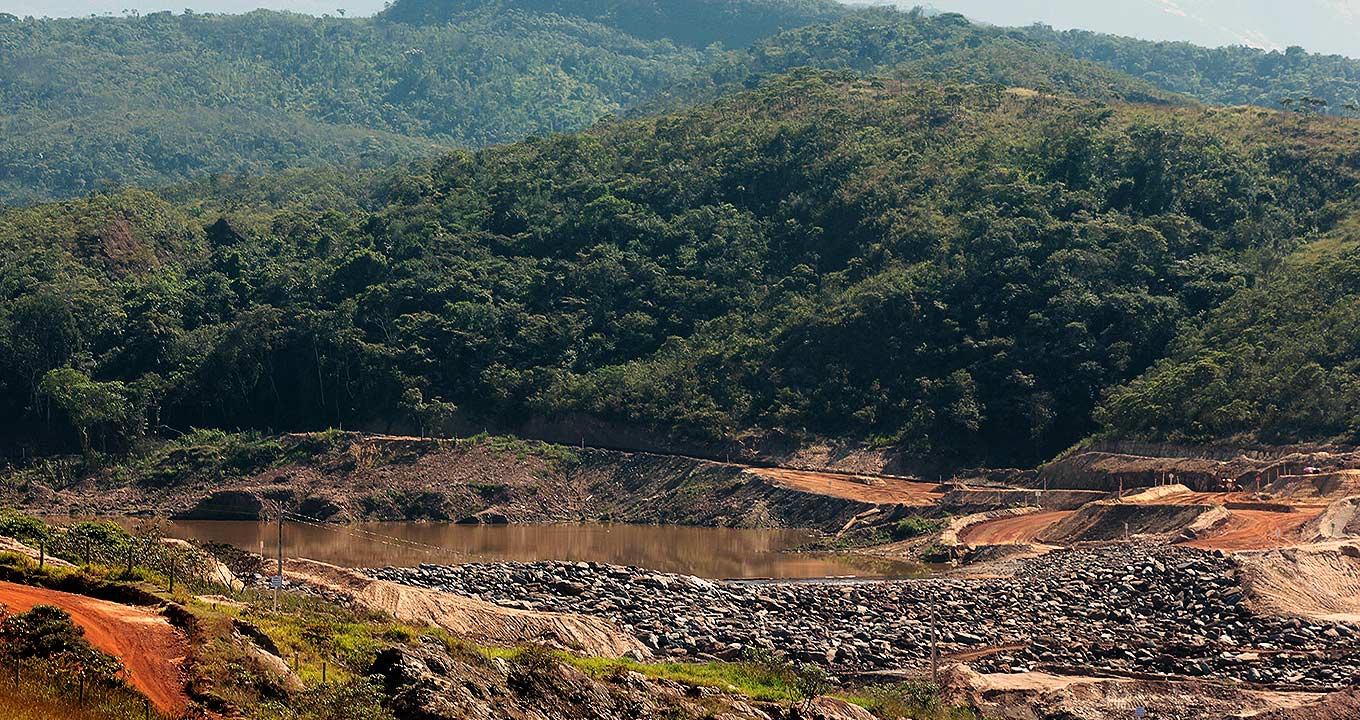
x: 468, y: 618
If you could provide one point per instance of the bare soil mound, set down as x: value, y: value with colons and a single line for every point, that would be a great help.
x: 479, y: 621
x: 10, y: 545
x: 142, y: 640
x: 1340, y: 520
x: 1040, y: 696
x: 1016, y: 530
x: 1255, y: 529
x: 1113, y: 520
x: 1319, y: 581
x: 860, y: 488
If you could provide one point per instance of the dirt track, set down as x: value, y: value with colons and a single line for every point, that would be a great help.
x: 148, y: 647
x: 861, y: 488
x: 1018, y: 530
x: 1258, y: 529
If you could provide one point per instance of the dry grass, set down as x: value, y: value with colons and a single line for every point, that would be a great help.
x: 39, y: 698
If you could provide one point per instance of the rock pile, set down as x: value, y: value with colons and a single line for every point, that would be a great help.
x: 1121, y: 607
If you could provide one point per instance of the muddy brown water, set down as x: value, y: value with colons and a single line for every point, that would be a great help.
x: 728, y: 553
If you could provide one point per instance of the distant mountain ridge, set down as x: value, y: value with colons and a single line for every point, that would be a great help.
x: 1320, y: 26
x: 696, y: 23
x: 97, y: 104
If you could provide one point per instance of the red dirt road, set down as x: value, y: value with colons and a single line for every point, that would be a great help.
x: 1018, y: 530
x: 1258, y: 529
x: 881, y: 491
x: 147, y: 645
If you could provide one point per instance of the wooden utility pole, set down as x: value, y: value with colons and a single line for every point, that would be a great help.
x: 278, y: 579
x: 934, y: 651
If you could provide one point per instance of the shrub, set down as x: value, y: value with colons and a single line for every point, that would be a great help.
x: 915, y: 526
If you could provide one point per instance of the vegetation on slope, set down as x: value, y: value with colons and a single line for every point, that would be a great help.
x: 954, y: 270
x: 104, y: 103
x: 1235, y: 75
x: 110, y: 102
x: 916, y: 46
x: 697, y: 23
x: 1278, y: 363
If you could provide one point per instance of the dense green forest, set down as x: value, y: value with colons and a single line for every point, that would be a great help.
x: 111, y: 102
x: 101, y: 104
x: 958, y: 270
x: 698, y: 23
x: 1278, y: 363
x: 1236, y: 75
x: 916, y: 46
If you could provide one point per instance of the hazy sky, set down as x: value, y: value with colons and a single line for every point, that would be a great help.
x: 80, y: 8
x: 1326, y: 26
x: 1331, y: 26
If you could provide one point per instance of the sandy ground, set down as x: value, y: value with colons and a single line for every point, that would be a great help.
x: 1030, y: 695
x: 465, y: 617
x: 147, y: 645
x: 862, y: 488
x: 1320, y: 581
x: 1019, y: 530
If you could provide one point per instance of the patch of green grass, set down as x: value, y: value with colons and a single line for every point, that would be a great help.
x: 757, y: 680
x: 916, y: 526
x: 557, y: 456
x: 916, y: 700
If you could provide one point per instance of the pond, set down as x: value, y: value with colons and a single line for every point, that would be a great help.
x: 727, y: 553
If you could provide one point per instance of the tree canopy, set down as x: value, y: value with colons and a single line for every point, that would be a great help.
x: 963, y: 271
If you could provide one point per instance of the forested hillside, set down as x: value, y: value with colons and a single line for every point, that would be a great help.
x: 1279, y: 363
x: 87, y: 104
x: 917, y: 46
x: 697, y: 23
x: 956, y: 270
x: 105, y: 103
x: 1227, y: 76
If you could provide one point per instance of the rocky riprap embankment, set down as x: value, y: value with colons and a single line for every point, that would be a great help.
x: 1122, y: 608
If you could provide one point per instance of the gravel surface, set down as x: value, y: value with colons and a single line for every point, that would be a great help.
x: 1124, y: 608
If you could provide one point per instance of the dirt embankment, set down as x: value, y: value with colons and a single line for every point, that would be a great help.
x: 142, y: 640
x: 859, y: 488
x: 399, y: 478
x: 1017, y: 530
x: 1037, y: 695
x: 968, y: 499
x: 644, y: 488
x: 467, y: 618
x: 1113, y: 520
x: 1320, y: 581
x: 1274, y: 473
x: 1340, y: 519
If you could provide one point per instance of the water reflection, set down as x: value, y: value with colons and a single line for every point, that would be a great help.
x: 706, y: 552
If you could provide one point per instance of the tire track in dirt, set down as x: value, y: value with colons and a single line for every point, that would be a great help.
x: 1258, y: 529
x: 142, y: 640
x: 861, y: 488
x: 1018, y: 530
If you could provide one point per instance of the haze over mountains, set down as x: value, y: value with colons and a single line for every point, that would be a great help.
x: 1322, y: 26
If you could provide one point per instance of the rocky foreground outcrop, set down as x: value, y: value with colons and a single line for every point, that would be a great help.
x: 1137, y: 609
x: 431, y: 681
